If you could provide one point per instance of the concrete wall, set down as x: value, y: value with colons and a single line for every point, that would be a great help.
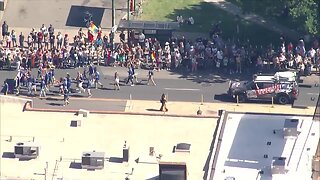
x: 12, y: 103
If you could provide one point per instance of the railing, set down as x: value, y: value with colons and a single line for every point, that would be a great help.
x: 316, y: 115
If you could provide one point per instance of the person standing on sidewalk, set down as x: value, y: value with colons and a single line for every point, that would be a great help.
x: 163, y: 102
x: 5, y: 29
x: 14, y: 38
x: 59, y: 40
x: 21, y: 40
x: 150, y: 77
x: 116, y: 81
x: 5, y: 88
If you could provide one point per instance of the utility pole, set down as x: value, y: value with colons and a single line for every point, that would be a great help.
x: 113, y: 14
x: 128, y: 17
x: 113, y: 23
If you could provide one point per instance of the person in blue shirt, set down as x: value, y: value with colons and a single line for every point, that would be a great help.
x: 68, y: 83
x: 130, y: 76
x: 65, y: 96
x: 135, y: 75
x: 42, y: 88
x: 47, y: 80
x: 91, y: 72
x: 97, y: 80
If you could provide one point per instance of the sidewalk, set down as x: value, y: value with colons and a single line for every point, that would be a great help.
x: 273, y: 26
x: 72, y: 31
x: 183, y: 109
x: 211, y: 109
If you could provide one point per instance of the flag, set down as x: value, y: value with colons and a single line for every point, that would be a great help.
x: 153, y: 55
x: 93, y: 28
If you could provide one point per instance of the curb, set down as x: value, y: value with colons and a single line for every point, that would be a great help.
x: 28, y: 107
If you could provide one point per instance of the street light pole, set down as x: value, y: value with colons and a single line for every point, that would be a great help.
x: 113, y: 23
x: 113, y: 14
x: 128, y: 16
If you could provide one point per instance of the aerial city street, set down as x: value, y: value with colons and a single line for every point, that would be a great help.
x: 159, y: 90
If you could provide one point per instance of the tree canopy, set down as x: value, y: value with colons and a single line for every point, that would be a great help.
x: 303, y: 15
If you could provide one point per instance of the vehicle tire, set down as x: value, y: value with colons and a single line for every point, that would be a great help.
x: 242, y: 98
x: 283, y: 99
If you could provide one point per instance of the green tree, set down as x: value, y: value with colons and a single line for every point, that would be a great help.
x: 306, y: 12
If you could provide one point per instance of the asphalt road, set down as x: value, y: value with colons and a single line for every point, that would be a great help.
x: 61, y: 13
x: 178, y: 86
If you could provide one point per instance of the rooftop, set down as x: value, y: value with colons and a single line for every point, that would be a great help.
x: 251, y: 142
x: 62, y: 145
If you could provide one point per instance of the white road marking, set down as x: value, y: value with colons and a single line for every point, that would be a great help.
x: 313, y: 93
x: 181, y: 89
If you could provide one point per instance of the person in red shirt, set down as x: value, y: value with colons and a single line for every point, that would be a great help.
x: 90, y: 37
x: 290, y: 48
x: 40, y: 39
x: 99, y: 32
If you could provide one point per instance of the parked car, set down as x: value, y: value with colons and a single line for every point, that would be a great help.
x: 282, y: 89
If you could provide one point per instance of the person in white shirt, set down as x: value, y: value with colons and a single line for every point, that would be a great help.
x: 312, y: 55
x: 43, y: 29
x: 191, y: 20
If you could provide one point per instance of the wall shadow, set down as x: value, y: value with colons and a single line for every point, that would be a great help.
x: 77, y: 14
x: 75, y: 165
x: 9, y: 155
x: 115, y: 159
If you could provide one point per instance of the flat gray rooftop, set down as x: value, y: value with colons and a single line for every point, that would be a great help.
x: 248, y: 138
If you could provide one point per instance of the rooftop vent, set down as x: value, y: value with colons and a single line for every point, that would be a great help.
x: 182, y: 147
x: 26, y: 150
x: 92, y: 160
x: 278, y: 165
x: 290, y: 128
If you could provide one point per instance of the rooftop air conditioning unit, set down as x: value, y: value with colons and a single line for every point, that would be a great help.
x: 278, y: 165
x: 182, y: 147
x: 28, y: 150
x: 92, y: 160
x: 290, y: 128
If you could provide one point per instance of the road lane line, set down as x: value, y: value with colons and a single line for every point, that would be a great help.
x: 181, y: 89
x: 313, y: 93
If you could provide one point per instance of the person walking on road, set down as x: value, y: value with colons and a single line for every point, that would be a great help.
x: 80, y: 80
x: 88, y: 88
x: 97, y: 80
x: 135, y: 75
x: 116, y: 81
x: 130, y: 76
x: 163, y: 102
x: 42, y: 88
x: 65, y: 96
x: 150, y: 77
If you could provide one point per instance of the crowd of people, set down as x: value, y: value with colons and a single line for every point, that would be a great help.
x: 47, y: 50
